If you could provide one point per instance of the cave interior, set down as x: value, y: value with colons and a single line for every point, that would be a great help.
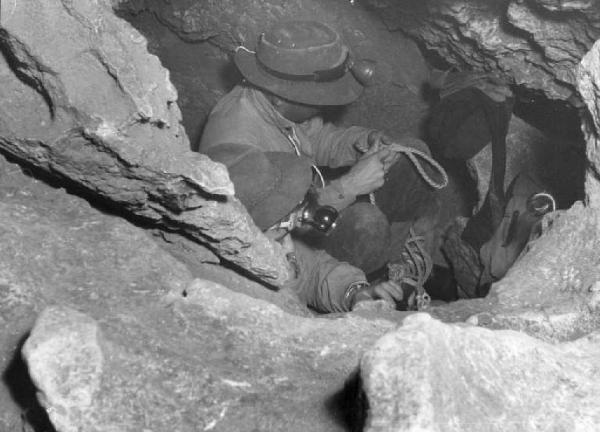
x: 194, y: 42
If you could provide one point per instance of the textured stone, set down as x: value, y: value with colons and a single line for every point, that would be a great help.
x: 430, y: 376
x: 549, y: 293
x: 166, y: 349
x: 83, y: 100
x: 533, y: 43
x: 202, y: 358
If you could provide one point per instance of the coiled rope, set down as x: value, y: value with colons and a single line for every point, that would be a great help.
x: 417, y: 265
x: 411, y: 154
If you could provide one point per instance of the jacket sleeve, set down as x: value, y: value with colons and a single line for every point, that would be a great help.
x: 322, y: 280
x: 335, y: 146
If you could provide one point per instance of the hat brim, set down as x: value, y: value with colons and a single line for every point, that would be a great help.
x: 295, y: 180
x: 339, y: 92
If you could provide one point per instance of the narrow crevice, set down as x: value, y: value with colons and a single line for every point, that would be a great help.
x: 18, y: 67
x: 23, y: 391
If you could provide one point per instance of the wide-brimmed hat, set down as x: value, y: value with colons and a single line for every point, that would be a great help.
x: 269, y: 184
x: 301, y: 61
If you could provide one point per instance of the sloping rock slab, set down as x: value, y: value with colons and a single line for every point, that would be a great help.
x: 430, y: 376
x: 182, y: 351
x: 56, y: 249
x: 201, y: 359
x: 83, y: 100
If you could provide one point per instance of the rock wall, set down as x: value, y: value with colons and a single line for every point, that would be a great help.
x: 536, y: 44
x: 589, y: 87
x: 84, y: 101
x: 430, y: 376
x: 128, y: 337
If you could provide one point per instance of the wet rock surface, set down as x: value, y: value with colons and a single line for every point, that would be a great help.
x: 465, y: 378
x: 536, y: 44
x: 212, y: 360
x: 84, y: 101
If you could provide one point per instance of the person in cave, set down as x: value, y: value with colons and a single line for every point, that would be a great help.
x: 298, y: 69
x: 276, y: 189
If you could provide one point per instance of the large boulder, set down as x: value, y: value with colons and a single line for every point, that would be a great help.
x: 84, y: 101
x: 431, y: 376
x: 199, y: 358
x: 536, y: 44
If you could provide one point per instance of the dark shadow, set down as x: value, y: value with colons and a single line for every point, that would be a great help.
x: 349, y: 406
x: 23, y: 391
x: 229, y: 75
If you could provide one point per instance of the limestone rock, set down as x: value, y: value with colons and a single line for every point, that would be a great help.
x: 56, y: 249
x: 84, y: 101
x: 550, y: 292
x: 202, y: 358
x: 533, y: 43
x: 588, y: 76
x: 431, y: 376
x: 166, y: 349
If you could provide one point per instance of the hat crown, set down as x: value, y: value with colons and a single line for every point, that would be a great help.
x: 301, y: 48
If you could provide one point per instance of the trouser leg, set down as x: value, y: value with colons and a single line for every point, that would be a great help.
x: 361, y: 237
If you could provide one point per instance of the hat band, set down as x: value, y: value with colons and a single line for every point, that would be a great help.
x: 326, y: 75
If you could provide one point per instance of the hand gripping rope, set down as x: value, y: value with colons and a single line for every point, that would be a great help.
x: 418, y: 262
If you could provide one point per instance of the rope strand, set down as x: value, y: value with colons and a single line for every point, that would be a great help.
x: 411, y: 153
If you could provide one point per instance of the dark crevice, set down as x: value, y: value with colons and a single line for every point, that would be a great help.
x: 23, y: 391
x: 19, y: 68
x: 349, y: 406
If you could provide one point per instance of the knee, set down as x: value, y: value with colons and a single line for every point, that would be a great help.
x: 364, y: 216
x: 361, y: 237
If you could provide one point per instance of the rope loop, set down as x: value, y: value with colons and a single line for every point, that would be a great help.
x: 412, y: 154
